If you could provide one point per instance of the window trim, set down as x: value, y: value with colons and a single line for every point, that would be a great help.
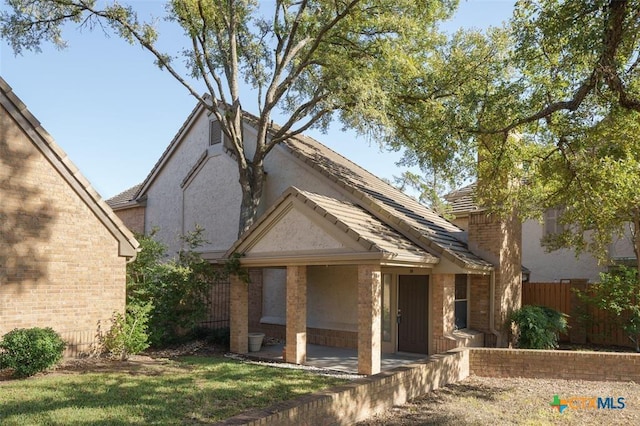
x: 466, y: 300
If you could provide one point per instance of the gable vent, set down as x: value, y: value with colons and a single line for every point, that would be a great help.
x: 216, y: 136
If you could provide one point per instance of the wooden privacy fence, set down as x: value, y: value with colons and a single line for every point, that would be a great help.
x: 561, y: 296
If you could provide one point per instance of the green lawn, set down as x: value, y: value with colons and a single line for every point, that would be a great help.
x: 192, y: 390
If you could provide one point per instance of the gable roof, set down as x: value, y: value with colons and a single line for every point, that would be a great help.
x: 127, y: 244
x: 405, y: 215
x: 368, y: 236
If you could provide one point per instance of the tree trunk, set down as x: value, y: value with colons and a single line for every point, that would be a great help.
x: 252, y: 179
x: 635, y: 236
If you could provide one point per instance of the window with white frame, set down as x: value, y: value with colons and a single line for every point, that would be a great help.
x: 461, y: 300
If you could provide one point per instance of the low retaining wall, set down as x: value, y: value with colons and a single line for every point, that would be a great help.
x: 364, y: 397
x: 569, y: 365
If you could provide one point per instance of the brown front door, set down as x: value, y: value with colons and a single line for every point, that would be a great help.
x: 413, y: 311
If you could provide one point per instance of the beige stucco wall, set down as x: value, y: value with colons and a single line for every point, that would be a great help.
x: 165, y: 196
x: 331, y: 294
x: 59, y: 265
x: 557, y: 265
x: 211, y: 198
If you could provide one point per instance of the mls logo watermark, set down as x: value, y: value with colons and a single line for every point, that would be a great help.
x: 587, y: 403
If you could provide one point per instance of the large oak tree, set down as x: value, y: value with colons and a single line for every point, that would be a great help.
x: 550, y: 103
x: 312, y: 59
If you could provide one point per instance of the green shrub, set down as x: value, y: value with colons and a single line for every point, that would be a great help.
x: 538, y: 327
x: 128, y: 334
x: 30, y: 350
x: 178, y: 288
x: 618, y: 294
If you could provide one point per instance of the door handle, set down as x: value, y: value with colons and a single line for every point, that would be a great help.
x: 399, y: 316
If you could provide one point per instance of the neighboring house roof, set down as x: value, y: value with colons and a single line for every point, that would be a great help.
x: 126, y: 198
x: 405, y: 215
x: 462, y: 200
x: 58, y: 158
x: 344, y: 219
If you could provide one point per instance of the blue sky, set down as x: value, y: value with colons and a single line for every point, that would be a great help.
x: 114, y: 112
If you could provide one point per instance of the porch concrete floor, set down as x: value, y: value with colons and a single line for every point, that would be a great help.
x: 339, y: 359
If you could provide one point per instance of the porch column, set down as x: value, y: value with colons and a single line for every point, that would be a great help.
x: 296, y: 341
x: 369, y: 318
x: 238, y: 315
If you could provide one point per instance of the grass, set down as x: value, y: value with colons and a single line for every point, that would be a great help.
x: 192, y: 390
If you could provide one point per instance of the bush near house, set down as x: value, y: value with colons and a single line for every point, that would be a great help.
x: 28, y: 351
x: 177, y: 289
x: 128, y: 334
x: 538, y: 327
x: 618, y: 294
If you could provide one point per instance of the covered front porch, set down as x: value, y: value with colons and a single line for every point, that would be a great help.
x: 344, y: 271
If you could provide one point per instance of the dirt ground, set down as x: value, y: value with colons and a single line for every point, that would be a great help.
x: 485, y: 401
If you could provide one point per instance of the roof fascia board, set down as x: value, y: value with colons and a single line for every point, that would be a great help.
x: 171, y: 148
x: 375, y: 258
x: 290, y: 200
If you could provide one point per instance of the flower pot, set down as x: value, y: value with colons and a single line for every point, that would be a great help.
x: 255, y: 341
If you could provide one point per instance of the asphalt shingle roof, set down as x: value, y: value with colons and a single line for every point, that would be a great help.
x: 404, y: 214
x: 125, y: 197
x: 379, y: 235
x: 461, y: 200
x: 400, y: 209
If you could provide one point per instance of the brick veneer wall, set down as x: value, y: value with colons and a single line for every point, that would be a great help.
x: 498, y: 240
x: 570, y: 365
x: 133, y: 218
x: 363, y: 398
x: 59, y: 265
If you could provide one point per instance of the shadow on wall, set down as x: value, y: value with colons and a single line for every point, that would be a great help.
x: 26, y: 215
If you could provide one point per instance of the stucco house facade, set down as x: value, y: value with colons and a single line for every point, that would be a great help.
x: 62, y: 250
x: 544, y: 266
x: 337, y: 257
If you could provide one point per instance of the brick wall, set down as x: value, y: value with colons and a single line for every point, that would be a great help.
x: 479, y: 303
x: 569, y: 365
x: 442, y: 312
x: 59, y: 265
x: 133, y: 218
x: 499, y: 240
x: 362, y: 398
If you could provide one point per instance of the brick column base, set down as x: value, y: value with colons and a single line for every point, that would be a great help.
x: 296, y: 315
x: 238, y: 315
x: 369, y: 319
